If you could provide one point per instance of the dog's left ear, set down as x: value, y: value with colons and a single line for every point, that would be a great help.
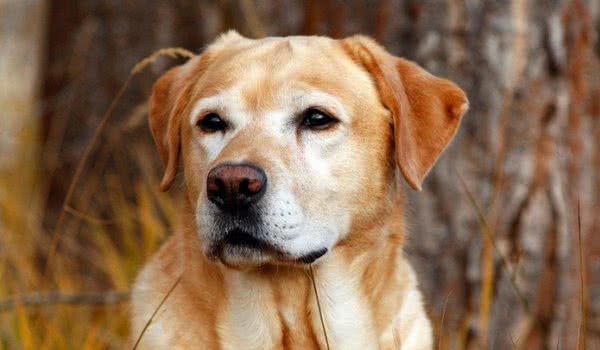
x: 426, y: 110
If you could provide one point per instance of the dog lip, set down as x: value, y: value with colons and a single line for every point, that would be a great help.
x: 312, y: 256
x: 239, y: 237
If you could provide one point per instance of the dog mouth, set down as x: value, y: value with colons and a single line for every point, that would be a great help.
x: 241, y: 246
x: 312, y: 256
x: 239, y: 237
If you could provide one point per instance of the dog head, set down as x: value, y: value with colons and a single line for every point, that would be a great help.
x: 290, y: 144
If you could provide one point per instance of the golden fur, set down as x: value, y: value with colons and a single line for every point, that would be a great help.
x: 394, y: 115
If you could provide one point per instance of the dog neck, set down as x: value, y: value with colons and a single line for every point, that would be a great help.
x: 355, y: 281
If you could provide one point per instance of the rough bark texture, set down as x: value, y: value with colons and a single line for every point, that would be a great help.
x: 528, y: 149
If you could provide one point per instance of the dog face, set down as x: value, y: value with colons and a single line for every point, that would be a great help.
x: 288, y: 144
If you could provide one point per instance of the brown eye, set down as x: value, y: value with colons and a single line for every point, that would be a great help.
x: 212, y: 122
x: 315, y: 119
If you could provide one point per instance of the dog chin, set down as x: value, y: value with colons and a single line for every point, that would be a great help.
x: 248, y: 258
x: 240, y: 248
x: 242, y: 258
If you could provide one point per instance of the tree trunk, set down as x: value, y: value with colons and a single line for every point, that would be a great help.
x: 22, y: 27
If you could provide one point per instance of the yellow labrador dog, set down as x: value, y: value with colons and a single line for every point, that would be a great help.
x: 292, y: 150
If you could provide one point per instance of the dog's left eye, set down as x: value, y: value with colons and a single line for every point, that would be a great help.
x: 317, y: 120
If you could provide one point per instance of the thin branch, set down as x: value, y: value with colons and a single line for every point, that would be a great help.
x: 487, y: 232
x: 87, y: 217
x: 441, y: 335
x: 312, y: 278
x: 54, y: 298
x: 139, y: 338
x: 583, y: 326
x: 171, y: 52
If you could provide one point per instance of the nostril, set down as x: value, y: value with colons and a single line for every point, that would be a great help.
x: 244, y: 186
x: 215, y: 190
x: 251, y: 187
x: 214, y: 185
x: 254, y: 186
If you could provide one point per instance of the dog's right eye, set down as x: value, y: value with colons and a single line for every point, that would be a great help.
x: 212, y: 122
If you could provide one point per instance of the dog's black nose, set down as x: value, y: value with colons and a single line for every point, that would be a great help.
x: 233, y: 187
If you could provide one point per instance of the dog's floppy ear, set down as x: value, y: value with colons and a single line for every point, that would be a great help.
x: 426, y: 110
x: 170, y: 96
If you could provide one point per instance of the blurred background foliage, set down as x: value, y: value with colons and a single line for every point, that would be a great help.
x: 505, y: 257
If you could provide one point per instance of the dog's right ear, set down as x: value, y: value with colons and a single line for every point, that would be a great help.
x: 171, y: 95
x: 164, y: 124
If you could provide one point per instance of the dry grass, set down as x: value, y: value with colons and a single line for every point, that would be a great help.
x: 86, y: 324
x: 73, y: 295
